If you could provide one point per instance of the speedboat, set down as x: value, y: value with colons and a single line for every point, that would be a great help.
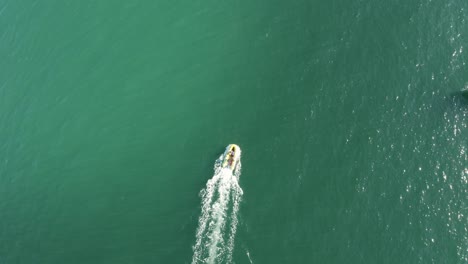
x: 231, y: 157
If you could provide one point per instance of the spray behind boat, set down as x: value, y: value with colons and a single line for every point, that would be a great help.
x: 221, y: 197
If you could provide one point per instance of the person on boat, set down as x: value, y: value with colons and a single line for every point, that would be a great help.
x: 231, y: 157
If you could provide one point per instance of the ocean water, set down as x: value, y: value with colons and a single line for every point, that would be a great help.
x: 348, y: 113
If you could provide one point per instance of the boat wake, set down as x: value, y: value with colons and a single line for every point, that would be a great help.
x: 217, y: 224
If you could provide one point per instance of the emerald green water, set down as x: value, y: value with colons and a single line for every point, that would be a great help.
x: 354, y: 137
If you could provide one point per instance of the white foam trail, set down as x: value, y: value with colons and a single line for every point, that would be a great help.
x: 222, y: 194
x: 236, y: 198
